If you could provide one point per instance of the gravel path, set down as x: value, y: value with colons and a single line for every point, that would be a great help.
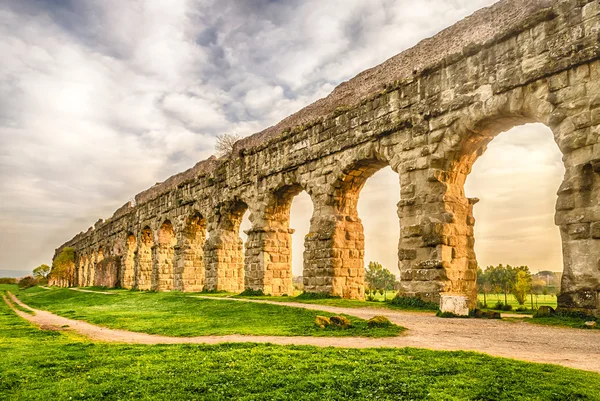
x: 518, y: 340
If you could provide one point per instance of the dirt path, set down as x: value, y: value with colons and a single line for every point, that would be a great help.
x: 519, y: 340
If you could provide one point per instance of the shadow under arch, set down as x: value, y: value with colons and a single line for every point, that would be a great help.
x: 190, y: 269
x: 143, y: 260
x: 128, y: 275
x: 268, y: 260
x: 164, y: 258
x: 224, y: 248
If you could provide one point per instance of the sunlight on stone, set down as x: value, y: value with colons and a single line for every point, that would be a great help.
x: 516, y: 180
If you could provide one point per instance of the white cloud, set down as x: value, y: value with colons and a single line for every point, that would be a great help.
x: 101, y: 99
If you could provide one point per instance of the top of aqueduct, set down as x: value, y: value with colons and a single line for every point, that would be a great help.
x: 467, y: 35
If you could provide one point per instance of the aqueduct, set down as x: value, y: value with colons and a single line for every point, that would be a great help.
x: 429, y: 113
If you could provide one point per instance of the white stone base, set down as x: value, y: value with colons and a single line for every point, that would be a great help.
x: 456, y: 304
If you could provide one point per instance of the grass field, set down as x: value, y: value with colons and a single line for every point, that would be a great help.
x: 178, y: 314
x: 50, y: 365
x: 549, y: 300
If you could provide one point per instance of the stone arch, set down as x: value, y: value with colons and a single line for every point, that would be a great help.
x: 83, y: 267
x: 190, y: 273
x: 164, y: 258
x: 335, y: 261
x: 449, y: 234
x: 128, y: 279
x: 224, y: 249
x: 143, y: 259
x: 268, y: 259
x: 95, y: 266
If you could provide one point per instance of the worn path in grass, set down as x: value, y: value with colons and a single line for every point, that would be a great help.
x: 562, y: 346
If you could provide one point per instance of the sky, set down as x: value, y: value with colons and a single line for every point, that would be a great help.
x: 100, y: 100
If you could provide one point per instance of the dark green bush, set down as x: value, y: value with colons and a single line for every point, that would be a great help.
x: 316, y: 295
x: 8, y: 280
x: 28, y: 282
x: 251, y: 293
x: 413, y: 303
x: 499, y: 305
x: 576, y: 315
x: 507, y: 307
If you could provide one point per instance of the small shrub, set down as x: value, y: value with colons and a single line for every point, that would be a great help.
x: 322, y: 321
x: 521, y: 309
x: 544, y: 311
x: 499, y: 305
x: 447, y: 315
x: 370, y: 298
x: 507, y: 307
x: 341, y: 321
x: 8, y: 280
x: 482, y: 305
x: 576, y: 314
x: 248, y: 292
x: 28, y: 282
x: 381, y: 291
x: 205, y: 291
x: 316, y: 295
x: 413, y: 303
x: 379, y: 321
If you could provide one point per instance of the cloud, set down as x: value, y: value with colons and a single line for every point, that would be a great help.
x: 101, y: 99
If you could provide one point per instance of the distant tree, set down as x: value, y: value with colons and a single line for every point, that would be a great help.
x: 522, y: 285
x: 484, y: 284
x: 63, y: 266
x: 225, y: 142
x: 379, y: 278
x: 41, y: 273
x: 494, y: 278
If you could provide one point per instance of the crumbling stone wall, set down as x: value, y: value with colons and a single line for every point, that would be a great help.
x: 428, y: 113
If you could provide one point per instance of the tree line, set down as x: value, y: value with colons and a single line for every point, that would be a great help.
x: 515, y: 280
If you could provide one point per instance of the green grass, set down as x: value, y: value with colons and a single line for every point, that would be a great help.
x: 179, y: 314
x: 562, y: 321
x: 50, y: 365
x: 549, y: 300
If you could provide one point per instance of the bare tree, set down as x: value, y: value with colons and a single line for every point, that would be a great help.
x: 225, y: 143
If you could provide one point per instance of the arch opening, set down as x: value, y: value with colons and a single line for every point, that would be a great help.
x: 269, y: 251
x: 513, y: 181
x: 189, y: 259
x: 519, y: 164
x: 378, y: 211
x: 129, y: 262
x: 143, y: 265
x: 301, y: 211
x: 164, y: 258
x: 347, y: 245
x: 224, y: 248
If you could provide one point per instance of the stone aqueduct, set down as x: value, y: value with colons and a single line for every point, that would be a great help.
x: 429, y: 113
